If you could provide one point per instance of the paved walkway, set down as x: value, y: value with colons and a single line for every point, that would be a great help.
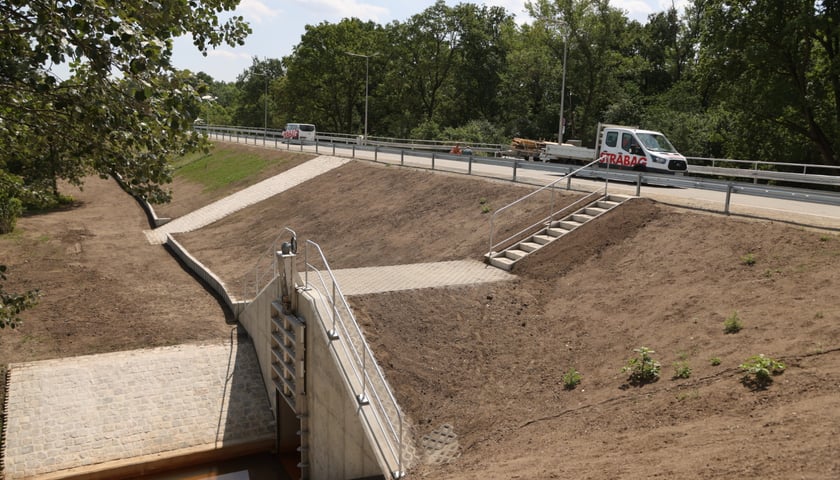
x: 254, y: 194
x: 88, y: 413
x: 360, y: 281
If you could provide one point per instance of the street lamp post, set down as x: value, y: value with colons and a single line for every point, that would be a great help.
x: 561, y: 25
x: 265, y: 110
x: 367, y: 64
x: 563, y: 88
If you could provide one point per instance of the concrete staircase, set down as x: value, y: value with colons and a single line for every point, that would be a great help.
x: 552, y: 231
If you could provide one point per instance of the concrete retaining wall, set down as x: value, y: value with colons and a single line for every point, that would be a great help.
x: 339, y: 445
x: 255, y: 317
x: 209, y: 278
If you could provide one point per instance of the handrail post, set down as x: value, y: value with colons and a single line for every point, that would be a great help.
x: 433, y: 160
x: 551, y: 212
x: 728, y: 198
x: 334, y: 308
x: 469, y: 165
x: 639, y: 185
x: 375, y: 153
x: 515, y: 164
x: 402, y: 157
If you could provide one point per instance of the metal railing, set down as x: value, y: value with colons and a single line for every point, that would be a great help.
x: 552, y: 213
x: 752, y: 169
x: 265, y: 269
x: 770, y: 171
x: 360, y: 370
x: 723, y: 176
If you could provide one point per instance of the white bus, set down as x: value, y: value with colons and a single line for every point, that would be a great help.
x: 299, y: 131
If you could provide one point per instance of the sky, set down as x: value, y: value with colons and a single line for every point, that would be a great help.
x: 277, y: 26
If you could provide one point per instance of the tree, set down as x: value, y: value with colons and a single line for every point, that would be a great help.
x: 323, y: 84
x: 777, y: 66
x: 124, y: 110
x: 256, y: 85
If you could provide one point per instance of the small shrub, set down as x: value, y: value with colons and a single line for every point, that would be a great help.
x: 682, y: 369
x: 643, y: 368
x: 760, y: 370
x: 714, y: 361
x: 748, y: 259
x: 485, y: 209
x: 571, y: 379
x: 732, y: 324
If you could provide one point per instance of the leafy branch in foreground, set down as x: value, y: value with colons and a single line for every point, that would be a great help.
x: 12, y: 304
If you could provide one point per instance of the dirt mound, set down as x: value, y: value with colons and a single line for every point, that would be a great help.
x: 483, y: 366
x: 489, y: 360
x: 366, y: 215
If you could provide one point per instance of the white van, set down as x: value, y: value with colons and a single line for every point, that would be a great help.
x: 622, y: 147
x: 640, y: 150
x: 299, y: 131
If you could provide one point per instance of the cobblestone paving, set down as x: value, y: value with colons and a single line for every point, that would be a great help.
x: 246, y: 197
x: 82, y: 411
x: 360, y: 281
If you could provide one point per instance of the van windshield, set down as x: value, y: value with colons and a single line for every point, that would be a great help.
x: 656, y: 142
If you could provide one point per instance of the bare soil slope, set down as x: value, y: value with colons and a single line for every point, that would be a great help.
x: 488, y: 360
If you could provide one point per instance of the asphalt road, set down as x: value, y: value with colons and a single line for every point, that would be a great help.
x: 806, y: 213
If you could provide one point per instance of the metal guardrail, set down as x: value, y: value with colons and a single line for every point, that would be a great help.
x: 363, y: 375
x: 805, y: 174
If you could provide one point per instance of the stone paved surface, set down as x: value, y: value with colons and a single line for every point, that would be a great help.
x: 246, y: 197
x: 77, y: 412
x: 360, y: 281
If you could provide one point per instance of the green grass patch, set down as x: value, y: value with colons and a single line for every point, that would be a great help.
x: 220, y: 167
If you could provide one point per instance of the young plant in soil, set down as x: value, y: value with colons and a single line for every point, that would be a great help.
x: 760, y: 370
x: 571, y: 379
x: 643, y: 368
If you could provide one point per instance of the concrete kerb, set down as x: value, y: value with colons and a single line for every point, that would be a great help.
x: 205, y: 274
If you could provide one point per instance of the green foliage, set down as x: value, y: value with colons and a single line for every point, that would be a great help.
x: 643, y: 368
x: 12, y: 304
x: 759, y: 370
x: 10, y: 205
x: 682, y: 369
x: 732, y: 324
x: 427, y: 130
x: 571, y: 379
x: 123, y: 110
x: 748, y: 259
x: 714, y: 361
x: 472, y: 132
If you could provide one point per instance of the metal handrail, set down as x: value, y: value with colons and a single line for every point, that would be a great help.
x: 551, y: 186
x: 374, y: 387
x: 260, y: 280
x: 548, y: 219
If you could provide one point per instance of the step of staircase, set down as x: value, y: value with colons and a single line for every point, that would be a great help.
x: 552, y: 231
